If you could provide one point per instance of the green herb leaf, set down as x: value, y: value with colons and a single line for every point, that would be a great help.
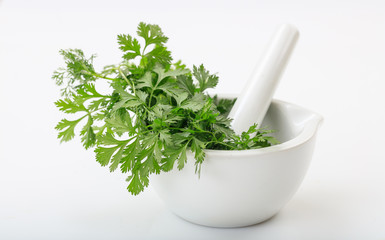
x: 136, y: 186
x: 186, y: 82
x: 113, y: 155
x: 121, y: 123
x: 129, y: 45
x: 197, y: 147
x: 151, y: 33
x: 67, y: 129
x: 68, y: 106
x: 204, y: 78
x: 88, y: 135
x: 196, y: 103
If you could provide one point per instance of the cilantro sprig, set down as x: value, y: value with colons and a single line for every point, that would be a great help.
x: 155, y: 113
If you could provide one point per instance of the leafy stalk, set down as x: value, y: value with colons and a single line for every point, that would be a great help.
x: 155, y: 113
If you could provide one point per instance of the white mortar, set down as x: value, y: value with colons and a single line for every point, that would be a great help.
x: 241, y: 188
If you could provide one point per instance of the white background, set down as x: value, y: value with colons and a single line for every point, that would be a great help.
x: 58, y: 191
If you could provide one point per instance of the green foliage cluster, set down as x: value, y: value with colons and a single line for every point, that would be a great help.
x: 156, y: 112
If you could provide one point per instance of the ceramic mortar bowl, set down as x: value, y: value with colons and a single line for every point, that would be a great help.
x: 241, y: 188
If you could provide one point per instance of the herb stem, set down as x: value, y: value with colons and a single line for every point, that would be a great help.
x: 125, y: 78
x: 144, y: 49
x: 104, y: 77
x: 152, y: 92
x: 221, y: 143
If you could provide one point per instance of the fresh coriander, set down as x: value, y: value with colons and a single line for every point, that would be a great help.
x: 156, y: 112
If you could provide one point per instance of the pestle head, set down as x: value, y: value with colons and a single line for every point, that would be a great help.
x: 255, y: 98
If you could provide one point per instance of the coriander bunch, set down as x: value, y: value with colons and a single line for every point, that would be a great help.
x: 155, y: 112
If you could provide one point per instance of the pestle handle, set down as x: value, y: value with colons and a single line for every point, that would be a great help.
x: 253, y: 102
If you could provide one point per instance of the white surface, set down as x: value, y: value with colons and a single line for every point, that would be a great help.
x: 256, y: 95
x: 53, y: 191
x: 242, y: 188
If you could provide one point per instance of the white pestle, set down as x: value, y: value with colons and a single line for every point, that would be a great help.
x: 253, y: 102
